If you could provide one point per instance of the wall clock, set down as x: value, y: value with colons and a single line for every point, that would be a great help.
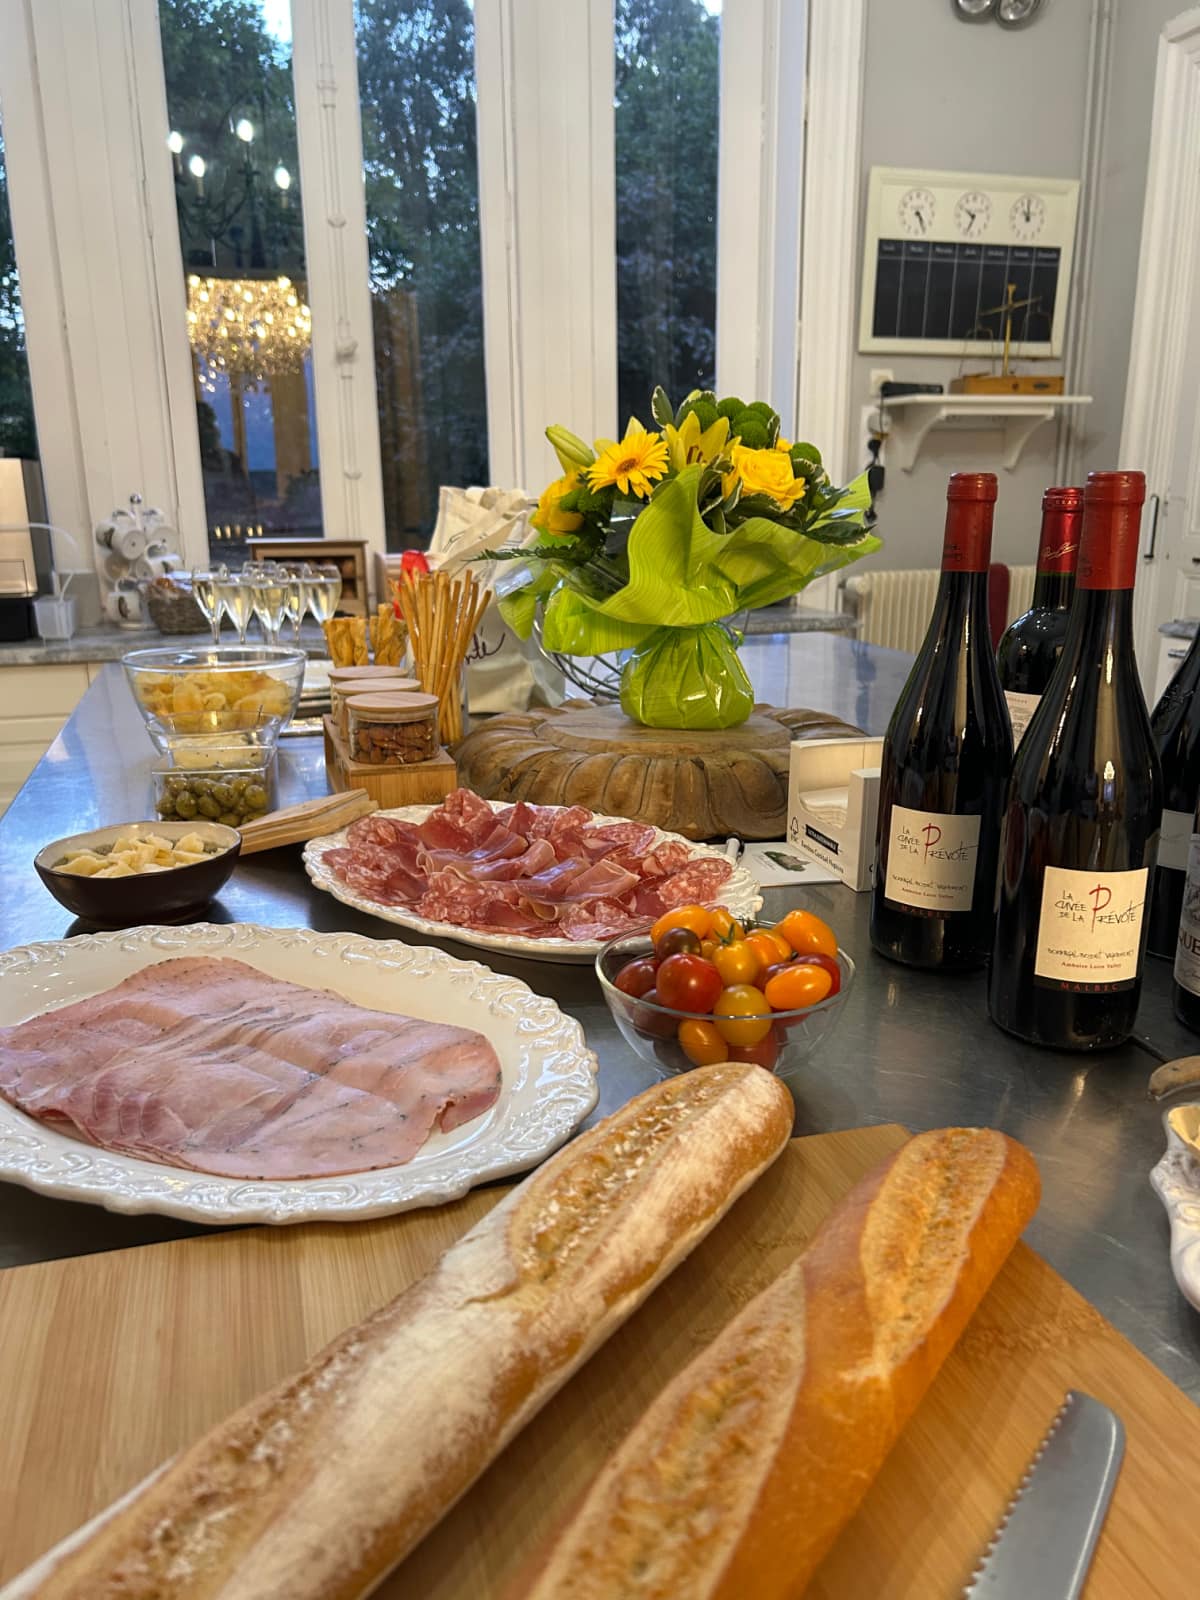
x: 941, y: 248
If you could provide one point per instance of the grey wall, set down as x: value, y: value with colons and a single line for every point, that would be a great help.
x: 943, y: 94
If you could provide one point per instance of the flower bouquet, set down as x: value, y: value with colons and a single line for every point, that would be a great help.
x: 645, y: 544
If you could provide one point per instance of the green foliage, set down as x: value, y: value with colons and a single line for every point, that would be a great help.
x: 751, y: 429
x: 704, y: 411
x: 730, y: 408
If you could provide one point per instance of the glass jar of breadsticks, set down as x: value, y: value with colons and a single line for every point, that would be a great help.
x: 347, y: 681
x: 441, y: 614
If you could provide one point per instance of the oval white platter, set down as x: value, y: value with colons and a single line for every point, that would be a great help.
x: 1176, y: 1181
x: 740, y: 893
x: 549, y: 1074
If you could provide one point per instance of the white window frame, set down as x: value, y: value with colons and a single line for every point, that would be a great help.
x: 85, y: 112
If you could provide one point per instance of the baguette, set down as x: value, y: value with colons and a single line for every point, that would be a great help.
x: 738, y: 1478
x: 317, y: 1489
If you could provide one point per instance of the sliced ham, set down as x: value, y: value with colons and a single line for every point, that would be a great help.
x: 209, y: 1064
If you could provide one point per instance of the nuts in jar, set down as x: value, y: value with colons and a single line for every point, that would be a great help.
x: 388, y: 730
x: 345, y: 682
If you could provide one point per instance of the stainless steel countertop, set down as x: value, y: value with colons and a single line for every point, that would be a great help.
x: 911, y: 1048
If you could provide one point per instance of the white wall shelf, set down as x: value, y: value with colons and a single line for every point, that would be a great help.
x: 912, y: 417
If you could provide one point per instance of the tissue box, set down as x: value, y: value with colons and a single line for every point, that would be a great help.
x: 833, y: 803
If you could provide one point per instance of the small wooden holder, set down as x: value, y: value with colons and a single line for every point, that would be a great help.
x: 388, y: 786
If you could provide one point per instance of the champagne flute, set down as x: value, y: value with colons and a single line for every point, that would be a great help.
x: 237, y: 595
x: 269, y: 598
x: 294, y: 603
x: 204, y: 592
x: 324, y: 593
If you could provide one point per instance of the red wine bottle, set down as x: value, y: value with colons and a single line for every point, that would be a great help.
x: 1028, y: 653
x: 1187, y: 946
x: 945, y: 764
x: 1082, y: 815
x: 1176, y: 727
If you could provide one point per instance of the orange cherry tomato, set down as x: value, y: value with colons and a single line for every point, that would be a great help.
x: 697, y: 918
x: 798, y: 986
x: 708, y: 948
x: 742, y: 1015
x: 807, y: 934
x: 725, y: 925
x: 769, y: 947
x: 737, y: 962
x: 702, y: 1044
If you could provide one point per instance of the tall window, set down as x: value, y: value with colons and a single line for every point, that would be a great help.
x: 416, y: 79
x: 667, y: 78
x: 18, y: 437
x: 231, y: 107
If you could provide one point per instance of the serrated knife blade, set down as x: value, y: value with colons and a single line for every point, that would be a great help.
x: 1047, y: 1536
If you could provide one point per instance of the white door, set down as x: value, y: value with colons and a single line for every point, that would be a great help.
x: 1161, y: 431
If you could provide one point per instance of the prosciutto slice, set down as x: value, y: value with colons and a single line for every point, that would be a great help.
x: 542, y: 871
x: 209, y: 1064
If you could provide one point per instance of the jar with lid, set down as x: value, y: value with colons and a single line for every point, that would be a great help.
x: 347, y: 681
x: 389, y: 729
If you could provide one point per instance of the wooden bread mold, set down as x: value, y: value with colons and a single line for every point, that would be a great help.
x: 738, y: 1478
x: 318, y: 1488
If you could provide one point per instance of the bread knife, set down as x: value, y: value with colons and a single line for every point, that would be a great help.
x: 1047, y: 1536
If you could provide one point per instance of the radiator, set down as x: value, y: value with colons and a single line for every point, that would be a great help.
x: 893, y: 608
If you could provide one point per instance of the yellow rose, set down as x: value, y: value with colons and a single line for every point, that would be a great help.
x: 548, y: 517
x: 766, y: 472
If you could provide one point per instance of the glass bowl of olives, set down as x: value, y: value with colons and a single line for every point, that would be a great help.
x: 231, y: 787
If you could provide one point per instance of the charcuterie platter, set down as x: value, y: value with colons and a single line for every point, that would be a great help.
x: 214, y: 1131
x: 549, y: 882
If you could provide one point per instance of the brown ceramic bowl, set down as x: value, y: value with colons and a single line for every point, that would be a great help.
x: 167, y: 896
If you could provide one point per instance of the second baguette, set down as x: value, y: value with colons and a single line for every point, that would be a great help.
x: 739, y: 1477
x: 317, y: 1489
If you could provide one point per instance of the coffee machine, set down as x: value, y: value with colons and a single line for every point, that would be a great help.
x: 26, y: 553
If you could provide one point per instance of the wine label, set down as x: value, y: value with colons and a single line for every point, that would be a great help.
x: 1090, y: 928
x: 931, y: 860
x: 1187, y: 951
x: 1174, y: 840
x: 1020, y: 709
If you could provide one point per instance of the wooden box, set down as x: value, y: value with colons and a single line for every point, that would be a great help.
x: 416, y: 784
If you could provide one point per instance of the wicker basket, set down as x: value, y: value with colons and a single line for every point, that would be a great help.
x: 173, y: 609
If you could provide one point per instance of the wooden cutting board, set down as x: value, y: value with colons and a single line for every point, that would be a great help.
x: 109, y: 1363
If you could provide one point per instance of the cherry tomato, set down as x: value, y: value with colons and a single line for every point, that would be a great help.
x: 737, y: 963
x: 764, y: 1054
x: 807, y: 934
x: 689, y: 983
x: 652, y: 1023
x: 702, y: 1044
x: 697, y: 918
x: 636, y: 978
x: 765, y: 977
x: 725, y: 926
x: 741, y: 1014
x: 800, y: 985
x: 676, y: 941
x: 769, y: 947
x: 709, y: 948
x: 826, y: 964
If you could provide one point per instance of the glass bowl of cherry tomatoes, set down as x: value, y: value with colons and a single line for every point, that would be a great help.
x: 700, y: 987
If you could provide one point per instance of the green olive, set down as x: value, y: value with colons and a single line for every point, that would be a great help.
x: 165, y: 805
x: 185, y: 806
x: 208, y: 807
x: 255, y: 797
x: 175, y: 784
x: 240, y: 785
x: 223, y: 795
x: 231, y: 819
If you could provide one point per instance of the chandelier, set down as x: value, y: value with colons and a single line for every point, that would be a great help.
x: 248, y: 328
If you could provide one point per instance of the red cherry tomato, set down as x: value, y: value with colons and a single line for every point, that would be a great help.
x: 827, y: 964
x: 697, y: 918
x: 636, y: 978
x: 651, y: 1023
x: 764, y: 1054
x: 677, y: 942
x: 701, y: 1043
x: 689, y: 983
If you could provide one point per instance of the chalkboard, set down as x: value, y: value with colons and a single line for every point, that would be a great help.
x: 930, y: 290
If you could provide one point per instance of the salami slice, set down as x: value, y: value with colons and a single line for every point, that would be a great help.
x: 699, y: 881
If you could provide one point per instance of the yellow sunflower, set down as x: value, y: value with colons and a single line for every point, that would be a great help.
x: 632, y: 463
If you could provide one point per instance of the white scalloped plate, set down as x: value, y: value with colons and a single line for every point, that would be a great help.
x: 1176, y: 1181
x: 549, y: 1074
x: 740, y: 893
